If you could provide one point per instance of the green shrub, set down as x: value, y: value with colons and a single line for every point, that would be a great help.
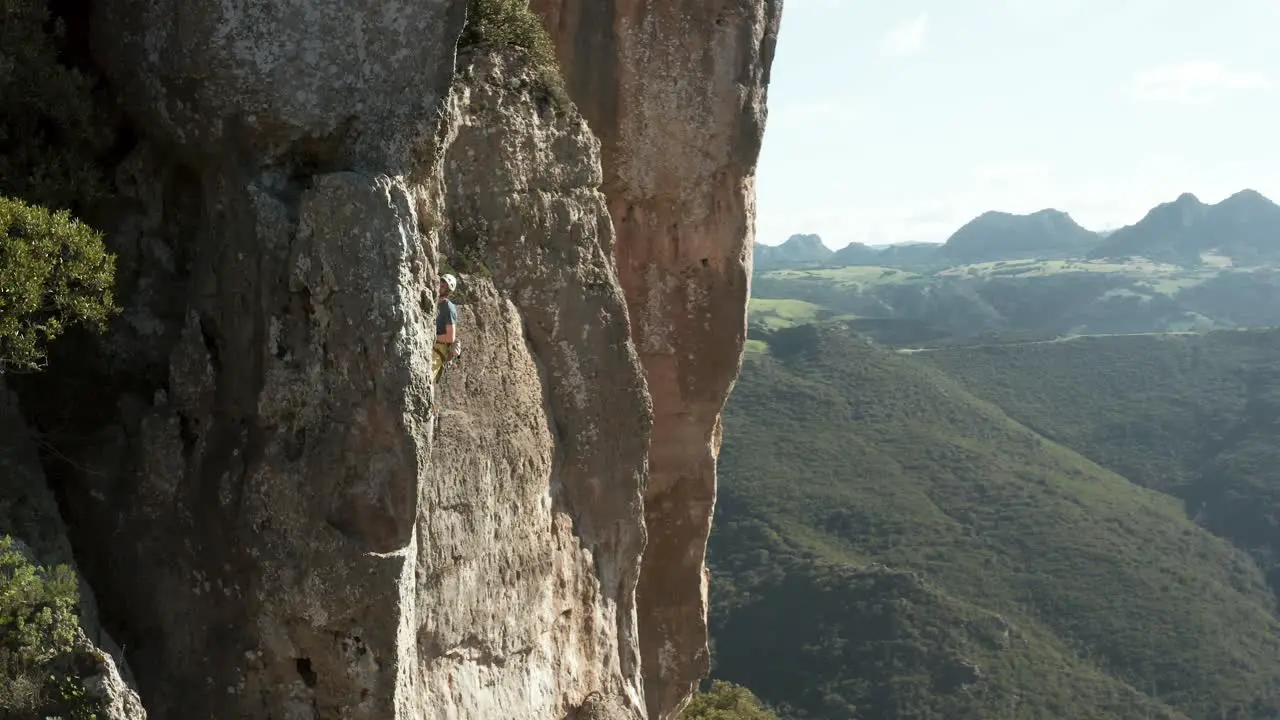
x: 52, y: 131
x: 726, y: 701
x: 41, y: 657
x: 510, y: 23
x: 55, y: 272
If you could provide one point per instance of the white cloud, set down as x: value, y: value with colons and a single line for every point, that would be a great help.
x: 907, y: 38
x: 1195, y: 82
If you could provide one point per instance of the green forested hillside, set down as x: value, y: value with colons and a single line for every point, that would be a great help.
x: 1197, y: 416
x: 888, y: 545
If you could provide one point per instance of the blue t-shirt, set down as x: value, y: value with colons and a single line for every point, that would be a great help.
x: 446, y: 315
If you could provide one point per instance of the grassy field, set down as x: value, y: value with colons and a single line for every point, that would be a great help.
x: 1023, y: 296
x: 860, y: 275
x: 776, y: 313
x: 1031, y: 268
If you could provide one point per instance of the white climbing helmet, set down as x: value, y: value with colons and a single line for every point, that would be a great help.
x: 449, y: 280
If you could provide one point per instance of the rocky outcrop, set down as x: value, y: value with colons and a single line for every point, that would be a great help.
x: 29, y: 515
x: 534, y: 531
x: 283, y: 515
x: 676, y: 91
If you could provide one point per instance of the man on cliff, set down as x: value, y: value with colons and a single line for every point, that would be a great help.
x: 446, y: 347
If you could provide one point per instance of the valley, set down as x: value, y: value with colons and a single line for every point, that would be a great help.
x: 1009, y: 488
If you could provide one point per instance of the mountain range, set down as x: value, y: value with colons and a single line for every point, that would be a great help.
x: 1184, y: 266
x: 1244, y: 228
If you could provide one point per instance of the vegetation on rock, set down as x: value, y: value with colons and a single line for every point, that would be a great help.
x: 55, y: 273
x: 51, y: 130
x: 42, y: 655
x: 511, y: 24
x: 726, y: 701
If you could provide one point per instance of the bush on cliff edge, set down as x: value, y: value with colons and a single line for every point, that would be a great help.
x: 726, y: 701
x: 42, y: 655
x: 55, y: 272
x: 510, y: 23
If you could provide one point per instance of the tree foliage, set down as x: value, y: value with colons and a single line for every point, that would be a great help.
x: 1193, y: 416
x: 55, y: 273
x: 52, y: 132
x: 726, y: 701
x: 42, y: 654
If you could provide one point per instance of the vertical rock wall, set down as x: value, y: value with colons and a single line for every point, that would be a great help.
x: 676, y: 91
x: 282, y: 514
x: 532, y: 529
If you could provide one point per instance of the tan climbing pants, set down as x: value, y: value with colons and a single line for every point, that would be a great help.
x: 439, y: 356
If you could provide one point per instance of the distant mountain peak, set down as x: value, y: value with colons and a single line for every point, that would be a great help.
x: 1248, y: 199
x: 799, y: 249
x: 1052, y: 213
x: 993, y: 214
x: 805, y: 241
x: 1244, y: 227
x: 998, y: 235
x: 1043, y: 212
x: 855, y: 245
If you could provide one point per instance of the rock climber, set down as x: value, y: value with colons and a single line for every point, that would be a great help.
x: 446, y: 347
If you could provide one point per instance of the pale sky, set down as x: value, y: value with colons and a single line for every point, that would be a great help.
x: 900, y: 121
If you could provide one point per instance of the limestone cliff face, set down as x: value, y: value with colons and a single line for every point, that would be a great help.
x: 282, y: 515
x: 676, y: 91
x: 536, y: 528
